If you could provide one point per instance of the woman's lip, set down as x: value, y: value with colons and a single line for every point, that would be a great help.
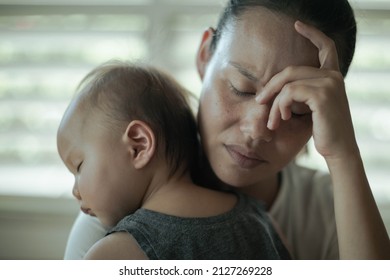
x: 244, y: 158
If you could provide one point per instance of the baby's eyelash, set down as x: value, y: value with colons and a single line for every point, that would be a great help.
x: 79, y: 166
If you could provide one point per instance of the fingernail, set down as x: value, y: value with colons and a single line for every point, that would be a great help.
x: 299, y: 24
x: 260, y: 97
x: 269, y: 124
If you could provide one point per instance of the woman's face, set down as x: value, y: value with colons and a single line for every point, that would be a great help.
x: 241, y: 150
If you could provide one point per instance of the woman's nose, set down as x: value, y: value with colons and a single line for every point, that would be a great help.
x: 254, y: 123
x: 75, y: 192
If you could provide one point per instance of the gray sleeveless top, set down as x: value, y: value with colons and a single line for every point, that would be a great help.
x: 245, y: 232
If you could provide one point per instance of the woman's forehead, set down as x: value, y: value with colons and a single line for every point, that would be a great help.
x: 262, y: 38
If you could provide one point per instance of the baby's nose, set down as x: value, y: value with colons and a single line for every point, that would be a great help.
x: 76, y: 192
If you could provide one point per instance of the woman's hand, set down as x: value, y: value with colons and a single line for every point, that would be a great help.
x: 321, y: 93
x: 316, y: 91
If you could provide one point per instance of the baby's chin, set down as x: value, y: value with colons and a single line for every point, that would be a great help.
x: 108, y: 222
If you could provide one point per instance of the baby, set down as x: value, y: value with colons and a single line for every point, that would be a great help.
x: 129, y: 137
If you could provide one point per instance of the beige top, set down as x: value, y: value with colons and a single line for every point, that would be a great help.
x: 304, y: 212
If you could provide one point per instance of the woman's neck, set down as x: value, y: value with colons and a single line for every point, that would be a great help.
x: 265, y: 191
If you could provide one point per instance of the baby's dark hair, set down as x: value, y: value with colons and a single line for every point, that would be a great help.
x: 333, y: 17
x: 126, y: 91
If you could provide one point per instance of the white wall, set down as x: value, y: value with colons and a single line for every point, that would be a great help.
x: 35, y: 228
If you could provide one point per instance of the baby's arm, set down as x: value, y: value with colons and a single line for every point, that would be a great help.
x: 360, y: 229
x: 116, y: 246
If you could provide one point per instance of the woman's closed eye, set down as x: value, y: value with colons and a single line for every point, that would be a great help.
x: 300, y: 110
x: 239, y: 92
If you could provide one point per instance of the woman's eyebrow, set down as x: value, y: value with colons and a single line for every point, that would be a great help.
x: 244, y: 71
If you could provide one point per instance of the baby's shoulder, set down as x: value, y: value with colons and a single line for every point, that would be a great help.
x: 116, y: 246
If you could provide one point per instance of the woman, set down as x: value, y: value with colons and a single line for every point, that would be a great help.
x: 271, y: 82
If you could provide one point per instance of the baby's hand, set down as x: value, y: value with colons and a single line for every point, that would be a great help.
x: 321, y: 91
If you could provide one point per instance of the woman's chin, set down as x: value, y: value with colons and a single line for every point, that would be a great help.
x: 237, y: 179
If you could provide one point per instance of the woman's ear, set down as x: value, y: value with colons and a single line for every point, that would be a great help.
x: 141, y: 143
x: 203, y: 56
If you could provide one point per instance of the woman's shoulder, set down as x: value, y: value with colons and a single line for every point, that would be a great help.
x: 298, y: 176
x: 85, y: 232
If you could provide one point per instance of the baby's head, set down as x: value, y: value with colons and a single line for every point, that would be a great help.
x: 124, y: 113
x: 124, y: 92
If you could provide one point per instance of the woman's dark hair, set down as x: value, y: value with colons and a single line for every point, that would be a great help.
x: 333, y: 17
x: 125, y: 91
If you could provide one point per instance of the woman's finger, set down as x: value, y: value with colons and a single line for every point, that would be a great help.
x: 298, y: 92
x: 274, y: 115
x: 281, y: 106
x: 327, y: 52
x: 288, y: 75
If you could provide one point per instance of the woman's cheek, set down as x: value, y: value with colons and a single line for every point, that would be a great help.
x: 294, y: 134
x: 298, y: 125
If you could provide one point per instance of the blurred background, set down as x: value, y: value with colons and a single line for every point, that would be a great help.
x: 46, y: 47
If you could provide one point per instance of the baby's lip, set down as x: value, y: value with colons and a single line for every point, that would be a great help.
x: 87, y: 211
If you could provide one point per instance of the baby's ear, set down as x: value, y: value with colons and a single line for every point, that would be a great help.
x: 141, y: 143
